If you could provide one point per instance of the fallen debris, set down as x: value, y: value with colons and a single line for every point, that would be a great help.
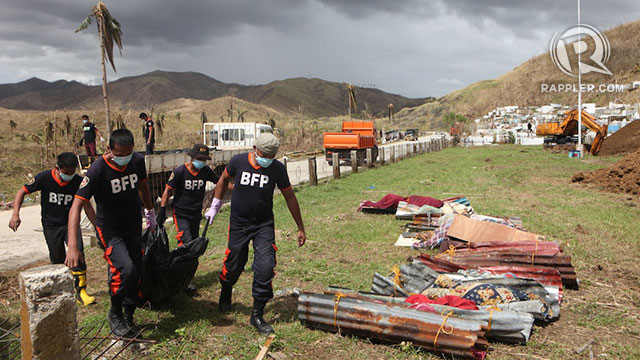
x: 394, y: 323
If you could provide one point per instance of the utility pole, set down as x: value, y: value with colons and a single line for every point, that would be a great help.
x: 579, y: 148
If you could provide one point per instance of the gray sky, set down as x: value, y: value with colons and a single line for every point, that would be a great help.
x: 411, y: 47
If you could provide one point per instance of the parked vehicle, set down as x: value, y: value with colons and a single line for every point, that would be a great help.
x: 355, y: 135
x: 228, y: 136
x: 411, y: 135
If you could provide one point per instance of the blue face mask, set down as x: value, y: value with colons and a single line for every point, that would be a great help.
x: 263, y: 162
x: 198, y: 164
x: 122, y: 160
x: 66, y: 177
x: 84, y: 121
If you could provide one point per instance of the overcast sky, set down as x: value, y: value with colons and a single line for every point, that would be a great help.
x: 415, y: 48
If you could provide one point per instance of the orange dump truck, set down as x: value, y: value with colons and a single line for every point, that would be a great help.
x: 355, y: 135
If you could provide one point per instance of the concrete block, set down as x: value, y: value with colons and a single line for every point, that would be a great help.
x: 48, y: 314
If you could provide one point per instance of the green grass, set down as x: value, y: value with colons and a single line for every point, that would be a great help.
x: 345, y: 248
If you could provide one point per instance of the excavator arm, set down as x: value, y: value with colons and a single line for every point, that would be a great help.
x: 569, y: 127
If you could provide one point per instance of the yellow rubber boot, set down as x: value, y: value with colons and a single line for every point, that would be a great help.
x: 81, y: 288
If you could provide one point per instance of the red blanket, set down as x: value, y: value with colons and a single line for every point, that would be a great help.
x: 392, y: 200
x: 449, y: 300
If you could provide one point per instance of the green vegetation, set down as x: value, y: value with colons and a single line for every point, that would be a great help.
x: 599, y: 230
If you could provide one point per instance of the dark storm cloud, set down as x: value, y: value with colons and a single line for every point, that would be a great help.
x: 413, y: 47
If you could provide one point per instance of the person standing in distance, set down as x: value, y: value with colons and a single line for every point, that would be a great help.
x: 57, y: 188
x: 118, y: 181
x: 90, y: 133
x: 256, y: 176
x: 149, y: 133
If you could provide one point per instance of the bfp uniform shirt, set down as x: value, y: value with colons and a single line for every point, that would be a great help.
x: 252, y: 196
x: 56, y: 197
x: 189, y: 188
x: 116, y: 193
x: 148, y: 125
x: 89, y: 133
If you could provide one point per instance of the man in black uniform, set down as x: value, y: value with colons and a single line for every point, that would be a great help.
x: 118, y: 180
x: 188, y: 183
x: 149, y: 133
x: 57, y: 188
x: 256, y: 176
x: 90, y: 132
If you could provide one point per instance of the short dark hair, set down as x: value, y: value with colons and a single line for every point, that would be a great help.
x: 85, y: 117
x: 67, y: 160
x: 120, y: 137
x: 143, y: 116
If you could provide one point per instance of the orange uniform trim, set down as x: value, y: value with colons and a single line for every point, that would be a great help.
x: 116, y: 280
x: 25, y: 189
x: 223, y: 273
x: 81, y: 198
x: 104, y: 243
x: 189, y: 170
x: 113, y: 166
x: 178, y: 232
x: 252, y: 161
x: 61, y: 183
x: 169, y: 186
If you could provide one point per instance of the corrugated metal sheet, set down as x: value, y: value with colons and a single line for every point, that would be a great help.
x: 394, y: 324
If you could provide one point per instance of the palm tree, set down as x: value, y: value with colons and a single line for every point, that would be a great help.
x: 351, y: 98
x: 241, y: 115
x: 390, y: 107
x: 109, y: 32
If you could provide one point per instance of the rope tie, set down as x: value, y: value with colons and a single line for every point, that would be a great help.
x: 397, y: 280
x: 533, y: 255
x: 494, y: 307
x: 451, y: 252
x: 442, y: 329
x: 336, y: 302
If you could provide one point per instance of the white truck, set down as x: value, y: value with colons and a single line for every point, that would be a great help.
x: 223, y: 139
x: 232, y: 136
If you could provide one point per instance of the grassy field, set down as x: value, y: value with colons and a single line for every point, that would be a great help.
x: 599, y: 230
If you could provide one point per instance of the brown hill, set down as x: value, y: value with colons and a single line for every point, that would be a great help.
x: 522, y: 86
x: 311, y: 97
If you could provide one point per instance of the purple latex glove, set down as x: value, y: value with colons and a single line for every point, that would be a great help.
x: 213, y: 210
x: 151, y: 218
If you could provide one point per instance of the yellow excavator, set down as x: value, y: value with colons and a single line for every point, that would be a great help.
x: 565, y: 132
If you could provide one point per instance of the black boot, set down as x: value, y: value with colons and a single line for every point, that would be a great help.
x: 258, y: 321
x: 224, y: 304
x: 129, y: 323
x: 116, y: 321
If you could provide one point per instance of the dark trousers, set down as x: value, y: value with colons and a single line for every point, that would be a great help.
x: 149, y: 149
x: 90, y: 149
x: 123, y: 252
x: 187, y: 227
x: 56, y: 238
x: 264, y: 258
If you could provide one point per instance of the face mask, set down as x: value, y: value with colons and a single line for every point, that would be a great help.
x: 122, y: 160
x: 66, y: 177
x: 263, y: 162
x: 198, y: 164
x: 84, y: 121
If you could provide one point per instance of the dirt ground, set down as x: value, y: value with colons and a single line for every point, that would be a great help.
x: 625, y: 140
x: 621, y: 177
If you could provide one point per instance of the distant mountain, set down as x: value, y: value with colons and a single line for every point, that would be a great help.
x: 312, y: 97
